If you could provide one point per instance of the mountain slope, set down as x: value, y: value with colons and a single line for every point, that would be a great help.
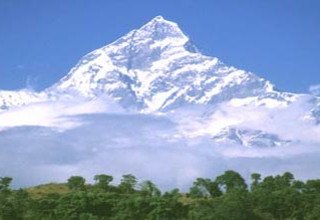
x: 157, y: 69
x: 9, y: 99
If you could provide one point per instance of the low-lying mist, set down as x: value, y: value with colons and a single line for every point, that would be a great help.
x: 93, y: 138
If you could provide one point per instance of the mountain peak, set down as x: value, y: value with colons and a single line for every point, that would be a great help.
x: 158, y: 18
x: 160, y: 28
x: 155, y: 68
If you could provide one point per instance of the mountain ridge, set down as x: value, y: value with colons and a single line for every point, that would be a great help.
x: 128, y: 68
x: 156, y: 68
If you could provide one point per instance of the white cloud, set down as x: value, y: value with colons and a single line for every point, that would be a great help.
x: 289, y: 123
x: 54, y: 114
x: 315, y: 90
x: 143, y: 145
x: 99, y: 137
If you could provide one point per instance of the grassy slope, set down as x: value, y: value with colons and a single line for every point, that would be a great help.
x: 41, y: 190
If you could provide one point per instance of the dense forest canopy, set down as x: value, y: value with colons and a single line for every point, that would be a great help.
x: 226, y: 197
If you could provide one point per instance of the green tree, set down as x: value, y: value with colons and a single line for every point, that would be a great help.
x: 204, y: 188
x: 76, y: 183
x: 45, y: 207
x: 231, y: 180
x: 169, y: 206
x: 5, y: 183
x: 255, y: 177
x: 149, y: 188
x: 103, y: 181
x: 128, y: 183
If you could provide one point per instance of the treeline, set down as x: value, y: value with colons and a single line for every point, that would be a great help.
x: 227, y: 197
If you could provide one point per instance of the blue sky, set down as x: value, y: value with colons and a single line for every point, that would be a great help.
x: 278, y: 40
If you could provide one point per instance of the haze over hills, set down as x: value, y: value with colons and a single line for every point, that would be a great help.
x: 154, y: 94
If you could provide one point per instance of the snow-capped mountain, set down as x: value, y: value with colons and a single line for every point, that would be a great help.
x: 154, y: 68
x: 9, y: 99
x: 249, y: 138
x: 158, y: 69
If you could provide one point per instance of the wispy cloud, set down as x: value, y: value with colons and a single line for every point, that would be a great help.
x: 55, y: 114
x: 20, y: 66
x: 315, y: 89
x: 31, y: 83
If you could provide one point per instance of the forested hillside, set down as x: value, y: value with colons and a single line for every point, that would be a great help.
x: 227, y: 197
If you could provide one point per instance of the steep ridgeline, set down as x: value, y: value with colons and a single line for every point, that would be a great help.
x: 154, y: 68
x: 157, y: 69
